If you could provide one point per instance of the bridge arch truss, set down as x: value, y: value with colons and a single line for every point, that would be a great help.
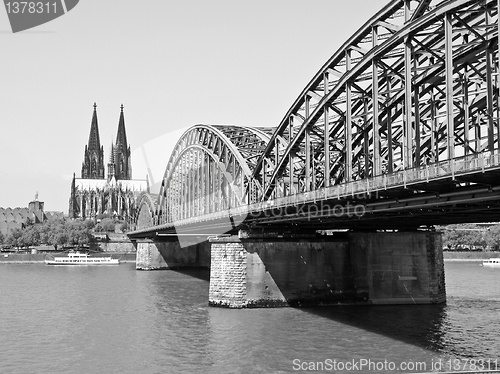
x: 417, y: 84
x: 407, y: 108
x: 146, y: 213
x: 209, y: 171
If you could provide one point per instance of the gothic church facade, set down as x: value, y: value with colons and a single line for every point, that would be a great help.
x: 94, y: 195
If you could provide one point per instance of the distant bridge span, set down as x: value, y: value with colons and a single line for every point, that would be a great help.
x: 399, y: 128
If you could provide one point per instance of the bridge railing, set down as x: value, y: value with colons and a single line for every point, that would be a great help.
x: 363, y: 188
x: 359, y: 189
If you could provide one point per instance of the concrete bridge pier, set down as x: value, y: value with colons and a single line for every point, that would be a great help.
x: 167, y: 253
x: 348, y: 268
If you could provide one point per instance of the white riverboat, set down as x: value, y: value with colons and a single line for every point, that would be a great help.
x: 492, y: 262
x: 78, y: 258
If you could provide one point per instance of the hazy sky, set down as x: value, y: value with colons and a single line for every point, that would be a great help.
x: 172, y: 64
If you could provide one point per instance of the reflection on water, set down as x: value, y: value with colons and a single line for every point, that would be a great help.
x: 420, y: 325
x: 118, y: 320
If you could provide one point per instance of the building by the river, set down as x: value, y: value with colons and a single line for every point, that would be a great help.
x: 18, y: 218
x: 114, y: 195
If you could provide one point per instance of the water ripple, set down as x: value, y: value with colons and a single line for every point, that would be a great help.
x: 119, y: 320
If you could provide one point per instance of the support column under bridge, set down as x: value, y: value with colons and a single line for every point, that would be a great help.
x: 348, y: 268
x: 170, y: 254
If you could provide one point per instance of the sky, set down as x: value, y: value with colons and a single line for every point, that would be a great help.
x: 171, y: 63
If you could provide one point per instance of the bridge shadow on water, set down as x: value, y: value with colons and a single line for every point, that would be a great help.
x: 420, y: 325
x: 201, y: 273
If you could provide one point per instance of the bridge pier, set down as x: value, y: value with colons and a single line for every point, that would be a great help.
x: 168, y: 254
x: 349, y: 268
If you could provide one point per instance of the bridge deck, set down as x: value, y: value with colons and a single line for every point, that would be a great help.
x: 399, y: 128
x: 408, y: 198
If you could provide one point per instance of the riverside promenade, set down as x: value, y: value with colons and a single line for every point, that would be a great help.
x: 469, y: 256
x: 39, y: 258
x: 130, y: 257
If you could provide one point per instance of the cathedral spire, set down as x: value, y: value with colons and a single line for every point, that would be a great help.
x: 121, y: 136
x: 94, y: 140
x: 111, y: 163
x: 93, y: 159
x: 123, y: 169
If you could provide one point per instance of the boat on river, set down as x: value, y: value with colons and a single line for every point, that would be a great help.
x: 492, y: 262
x: 77, y: 258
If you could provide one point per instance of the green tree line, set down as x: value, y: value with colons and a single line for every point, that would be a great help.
x: 67, y: 232
x: 57, y: 233
x: 471, y: 237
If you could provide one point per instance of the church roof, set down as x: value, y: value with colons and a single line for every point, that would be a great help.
x: 90, y: 184
x: 135, y: 185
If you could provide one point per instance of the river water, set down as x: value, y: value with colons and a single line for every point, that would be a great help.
x: 119, y: 320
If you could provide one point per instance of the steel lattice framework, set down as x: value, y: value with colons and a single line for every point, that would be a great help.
x: 209, y: 170
x: 417, y: 84
x: 147, y: 212
x: 407, y: 107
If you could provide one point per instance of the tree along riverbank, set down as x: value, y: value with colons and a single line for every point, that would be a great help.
x: 468, y: 256
x: 126, y: 257
x: 39, y: 258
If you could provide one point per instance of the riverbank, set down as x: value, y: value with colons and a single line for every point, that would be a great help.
x: 39, y: 258
x: 126, y: 257
x: 469, y: 256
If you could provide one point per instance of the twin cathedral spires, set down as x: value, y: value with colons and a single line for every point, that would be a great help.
x: 119, y: 165
x: 94, y: 196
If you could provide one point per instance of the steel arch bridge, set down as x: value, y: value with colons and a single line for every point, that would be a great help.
x: 403, y: 120
x: 209, y: 171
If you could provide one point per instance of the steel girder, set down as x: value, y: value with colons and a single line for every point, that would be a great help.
x: 146, y: 214
x: 417, y: 84
x: 209, y: 171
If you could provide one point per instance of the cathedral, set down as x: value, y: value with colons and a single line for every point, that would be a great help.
x: 94, y: 195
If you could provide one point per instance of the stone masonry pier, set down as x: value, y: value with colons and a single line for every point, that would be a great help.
x: 347, y: 268
x: 169, y: 254
x: 354, y: 268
